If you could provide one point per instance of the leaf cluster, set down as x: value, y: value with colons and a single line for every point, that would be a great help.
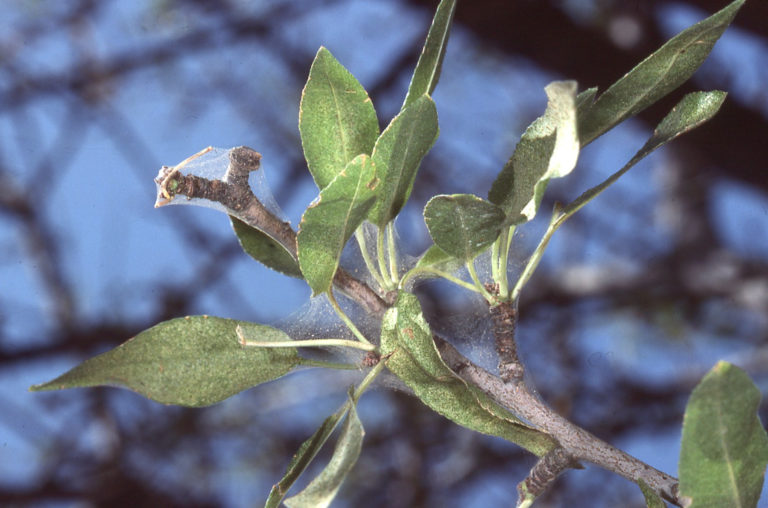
x: 364, y: 174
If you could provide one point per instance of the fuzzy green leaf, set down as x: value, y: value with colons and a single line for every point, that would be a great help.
x: 462, y: 224
x: 410, y: 354
x: 695, y: 109
x: 337, y: 121
x: 585, y: 100
x: 329, y: 222
x: 193, y: 361
x: 692, y: 111
x: 430, y: 63
x: 548, y: 149
x: 436, y: 259
x: 652, y: 499
x: 656, y: 76
x: 398, y: 153
x: 725, y: 447
x: 321, y: 491
x: 264, y: 249
x: 303, y: 457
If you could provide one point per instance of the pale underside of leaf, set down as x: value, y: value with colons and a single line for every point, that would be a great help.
x: 548, y: 149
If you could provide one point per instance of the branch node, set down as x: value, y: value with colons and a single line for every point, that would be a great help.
x: 242, y: 160
x: 546, y: 470
x: 504, y: 318
x: 371, y: 359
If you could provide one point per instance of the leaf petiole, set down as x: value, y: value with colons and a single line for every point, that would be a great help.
x: 392, y: 251
x: 308, y: 343
x: 480, y: 288
x: 353, y: 328
x: 500, y: 258
x: 533, y: 262
x: 308, y: 362
x: 366, y: 382
x: 381, y: 256
x: 360, y: 237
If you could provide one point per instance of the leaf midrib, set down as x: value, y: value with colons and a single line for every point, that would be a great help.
x: 339, y: 123
x: 696, y: 40
x: 722, y: 430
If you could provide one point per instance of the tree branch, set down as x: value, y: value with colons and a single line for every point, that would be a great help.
x: 580, y: 444
x: 234, y: 193
x: 504, y: 319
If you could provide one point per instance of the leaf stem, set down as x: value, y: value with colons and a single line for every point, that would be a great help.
x: 392, y: 250
x: 500, y: 259
x: 311, y: 343
x: 450, y: 278
x: 535, y: 258
x: 360, y: 237
x: 308, y: 362
x: 366, y: 382
x: 445, y: 275
x: 481, y: 289
x: 381, y: 256
x: 346, y: 319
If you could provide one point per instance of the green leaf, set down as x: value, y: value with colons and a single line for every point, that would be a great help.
x: 692, y: 111
x: 192, y: 361
x: 263, y: 248
x: 695, y: 109
x: 430, y: 63
x: 462, y: 224
x: 548, y: 149
x: 398, y: 153
x: 337, y: 121
x: 436, y: 258
x: 656, y: 76
x: 652, y: 499
x: 410, y: 353
x: 329, y: 222
x: 303, y: 457
x: 585, y: 100
x: 725, y: 448
x: 434, y: 262
x: 321, y: 491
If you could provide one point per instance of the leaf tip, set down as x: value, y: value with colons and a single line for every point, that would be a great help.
x: 45, y: 387
x: 721, y: 367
